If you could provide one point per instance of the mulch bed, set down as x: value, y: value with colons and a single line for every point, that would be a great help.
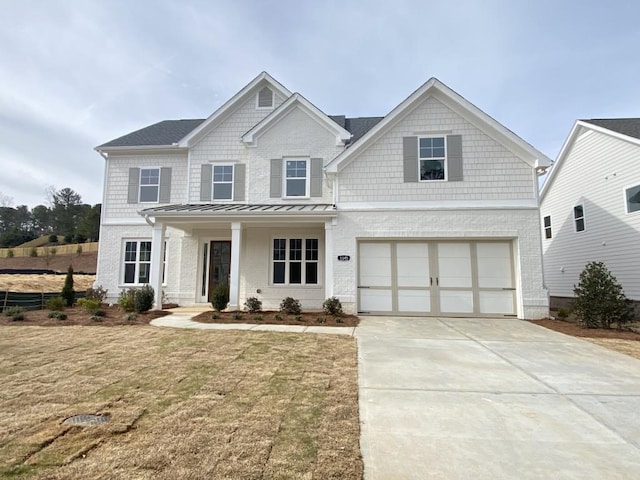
x: 572, y: 328
x: 318, y: 319
x: 78, y: 316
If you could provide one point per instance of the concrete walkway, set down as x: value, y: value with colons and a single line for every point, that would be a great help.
x: 181, y: 318
x: 493, y: 399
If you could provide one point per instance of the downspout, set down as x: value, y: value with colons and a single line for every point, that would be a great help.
x: 149, y: 222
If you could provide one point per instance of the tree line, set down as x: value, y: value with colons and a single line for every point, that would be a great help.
x: 65, y: 216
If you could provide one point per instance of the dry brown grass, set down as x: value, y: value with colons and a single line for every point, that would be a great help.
x: 628, y: 347
x: 184, y: 404
x: 42, y: 283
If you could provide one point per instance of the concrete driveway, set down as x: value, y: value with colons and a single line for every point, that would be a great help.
x: 493, y: 399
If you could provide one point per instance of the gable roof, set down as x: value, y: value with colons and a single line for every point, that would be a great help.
x: 626, y: 129
x: 433, y: 87
x: 210, y: 123
x: 297, y: 101
x: 165, y: 133
x: 357, y: 126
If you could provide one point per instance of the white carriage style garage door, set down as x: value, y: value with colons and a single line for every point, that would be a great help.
x: 449, y: 278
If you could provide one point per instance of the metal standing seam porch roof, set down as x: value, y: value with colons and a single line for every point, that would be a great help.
x: 230, y: 209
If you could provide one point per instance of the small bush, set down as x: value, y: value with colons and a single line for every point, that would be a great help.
x: 320, y: 320
x: 298, y: 318
x: 17, y: 317
x: 88, y: 304
x: 10, y: 253
x: 126, y: 300
x: 99, y: 313
x: 332, y: 306
x: 67, y: 290
x: 53, y: 238
x: 144, y: 298
x: 253, y: 304
x: 33, y: 252
x: 600, y: 300
x: 257, y: 318
x: 130, y: 317
x: 237, y: 316
x: 97, y: 293
x: 16, y: 313
x: 96, y: 318
x: 277, y: 317
x: 290, y: 306
x: 215, y: 316
x: 339, y: 320
x: 57, y: 315
x: 563, y: 313
x: 68, y: 238
x: 56, y: 304
x: 220, y: 297
x: 79, y: 238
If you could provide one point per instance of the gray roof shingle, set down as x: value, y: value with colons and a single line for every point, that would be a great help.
x: 166, y: 132
x: 625, y: 126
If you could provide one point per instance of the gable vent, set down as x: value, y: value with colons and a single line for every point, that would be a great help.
x: 265, y: 98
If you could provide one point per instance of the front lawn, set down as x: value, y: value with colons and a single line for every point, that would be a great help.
x: 183, y: 404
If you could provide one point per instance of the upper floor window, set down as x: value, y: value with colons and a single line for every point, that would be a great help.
x: 265, y: 98
x: 632, y: 197
x: 547, y: 226
x: 296, y: 178
x: 432, y: 159
x: 149, y: 184
x: 578, y: 217
x: 222, y: 182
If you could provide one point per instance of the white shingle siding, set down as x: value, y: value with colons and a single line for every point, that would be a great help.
x: 595, y: 173
x: 490, y: 171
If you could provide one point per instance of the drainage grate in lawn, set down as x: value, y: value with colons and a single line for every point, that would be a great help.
x: 87, y: 420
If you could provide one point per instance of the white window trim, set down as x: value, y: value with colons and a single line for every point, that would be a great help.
x: 140, y: 184
x: 273, y: 99
x: 121, y: 282
x: 304, y: 239
x: 213, y: 182
x: 626, y: 203
x: 307, y: 185
x: 575, y: 219
x: 445, y: 165
x: 550, y: 227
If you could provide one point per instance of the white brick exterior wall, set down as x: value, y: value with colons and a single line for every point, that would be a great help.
x: 491, y: 172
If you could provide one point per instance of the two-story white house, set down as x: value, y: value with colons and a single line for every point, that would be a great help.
x: 430, y: 210
x: 590, y: 206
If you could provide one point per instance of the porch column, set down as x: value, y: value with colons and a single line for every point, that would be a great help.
x: 328, y: 258
x: 157, y: 255
x: 234, y: 280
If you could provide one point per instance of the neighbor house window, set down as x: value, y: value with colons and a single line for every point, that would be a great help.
x: 296, y: 178
x: 295, y: 261
x: 432, y: 159
x: 222, y: 182
x: 149, y: 184
x: 137, y: 262
x: 632, y: 196
x: 578, y: 217
x: 547, y: 226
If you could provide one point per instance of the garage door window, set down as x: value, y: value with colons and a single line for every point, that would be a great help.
x: 295, y: 261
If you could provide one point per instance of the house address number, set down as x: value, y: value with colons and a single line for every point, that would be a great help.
x: 344, y: 258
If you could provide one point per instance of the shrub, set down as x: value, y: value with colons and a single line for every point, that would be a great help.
x: 237, y: 316
x: 290, y: 306
x: 320, y: 320
x: 57, y: 315
x: 89, y: 304
x: 99, y: 313
x: 16, y: 313
x: 68, y: 238
x: 67, y: 290
x: 257, y: 318
x: 563, y: 313
x: 144, y: 298
x: 332, y: 306
x: 17, y: 316
x: 56, y: 304
x: 253, y: 304
x: 130, y: 317
x: 126, y: 300
x: 220, y: 297
x: 53, y: 238
x: 339, y: 320
x: 97, y: 293
x: 277, y: 317
x: 79, y: 238
x: 600, y: 300
x: 215, y: 316
x: 96, y: 318
x: 33, y: 252
x: 298, y: 318
x: 10, y: 253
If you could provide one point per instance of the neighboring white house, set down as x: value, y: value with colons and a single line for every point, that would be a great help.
x: 590, y: 205
x: 430, y: 210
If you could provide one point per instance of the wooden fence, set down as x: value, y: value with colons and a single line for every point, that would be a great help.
x: 65, y: 249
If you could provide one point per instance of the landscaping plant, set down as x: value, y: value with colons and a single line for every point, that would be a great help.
x: 332, y: 306
x: 220, y: 297
x: 600, y: 300
x: 56, y: 304
x: 67, y: 290
x: 144, y: 298
x: 253, y: 305
x: 290, y: 306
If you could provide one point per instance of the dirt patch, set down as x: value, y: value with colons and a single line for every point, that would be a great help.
x: 86, y: 262
x: 79, y: 316
x: 182, y: 404
x: 278, y: 318
x: 622, y: 341
x: 42, y: 283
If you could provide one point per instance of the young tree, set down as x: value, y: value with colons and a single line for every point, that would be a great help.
x: 67, y: 290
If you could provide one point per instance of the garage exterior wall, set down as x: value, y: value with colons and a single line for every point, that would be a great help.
x: 521, y: 226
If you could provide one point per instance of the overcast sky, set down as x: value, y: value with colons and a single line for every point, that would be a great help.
x: 78, y: 73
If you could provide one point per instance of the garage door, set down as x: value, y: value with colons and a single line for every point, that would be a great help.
x: 436, y: 278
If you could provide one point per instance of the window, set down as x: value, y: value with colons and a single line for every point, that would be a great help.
x: 295, y: 261
x: 432, y: 159
x: 547, y: 226
x: 632, y: 197
x: 137, y: 262
x: 265, y: 98
x: 296, y: 176
x: 149, y: 184
x: 222, y: 182
x: 578, y: 217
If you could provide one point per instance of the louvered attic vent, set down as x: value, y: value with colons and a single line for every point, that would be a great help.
x: 265, y: 98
